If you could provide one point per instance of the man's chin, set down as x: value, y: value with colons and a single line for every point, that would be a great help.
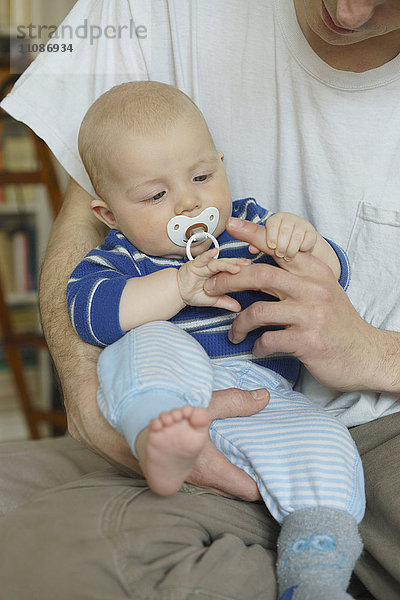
x: 336, y: 39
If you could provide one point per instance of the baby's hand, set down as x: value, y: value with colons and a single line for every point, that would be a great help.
x: 289, y: 234
x: 193, y: 275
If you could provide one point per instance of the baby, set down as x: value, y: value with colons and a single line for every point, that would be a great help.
x: 163, y: 191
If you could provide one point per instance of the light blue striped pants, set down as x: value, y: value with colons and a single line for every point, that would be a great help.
x: 299, y: 455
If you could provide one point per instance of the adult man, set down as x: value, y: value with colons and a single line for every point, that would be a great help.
x: 299, y: 97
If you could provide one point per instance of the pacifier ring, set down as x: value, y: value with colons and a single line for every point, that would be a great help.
x: 193, y: 239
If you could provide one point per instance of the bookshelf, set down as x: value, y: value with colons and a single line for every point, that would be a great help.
x: 29, y: 199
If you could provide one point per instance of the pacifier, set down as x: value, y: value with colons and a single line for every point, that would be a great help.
x: 188, y: 231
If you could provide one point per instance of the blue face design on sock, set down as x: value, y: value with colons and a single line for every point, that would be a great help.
x: 318, y: 550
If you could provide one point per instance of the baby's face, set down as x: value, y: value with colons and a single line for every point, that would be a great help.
x: 154, y: 178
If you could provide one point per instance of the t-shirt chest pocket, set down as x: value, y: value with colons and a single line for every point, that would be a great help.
x: 374, y: 255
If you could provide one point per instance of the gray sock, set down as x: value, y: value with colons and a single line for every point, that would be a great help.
x: 317, y: 551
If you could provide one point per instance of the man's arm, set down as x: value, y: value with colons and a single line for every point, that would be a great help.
x: 75, y: 232
x: 322, y: 328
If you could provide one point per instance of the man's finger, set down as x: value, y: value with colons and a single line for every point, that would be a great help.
x: 215, y: 472
x: 267, y: 278
x: 254, y: 234
x: 228, y: 303
x: 284, y: 282
x: 261, y: 314
x: 249, y: 232
x: 233, y: 402
x: 271, y: 342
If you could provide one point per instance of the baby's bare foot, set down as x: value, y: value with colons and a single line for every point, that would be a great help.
x: 169, y: 447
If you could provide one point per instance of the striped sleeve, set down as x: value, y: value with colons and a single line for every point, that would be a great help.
x: 94, y: 292
x: 249, y: 210
x: 344, y: 279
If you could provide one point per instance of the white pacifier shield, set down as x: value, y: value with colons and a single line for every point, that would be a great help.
x: 178, y: 226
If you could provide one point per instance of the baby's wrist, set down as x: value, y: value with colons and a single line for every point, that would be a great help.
x: 180, y: 285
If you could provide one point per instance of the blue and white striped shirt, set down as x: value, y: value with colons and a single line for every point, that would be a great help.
x: 95, y: 288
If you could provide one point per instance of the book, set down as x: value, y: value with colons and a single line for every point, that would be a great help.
x: 18, y: 154
x: 6, y: 263
x: 25, y: 318
x: 18, y: 253
x: 21, y: 260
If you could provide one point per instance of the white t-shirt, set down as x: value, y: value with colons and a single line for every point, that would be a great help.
x: 297, y: 134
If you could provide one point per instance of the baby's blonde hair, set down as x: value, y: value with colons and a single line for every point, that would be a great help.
x: 141, y: 107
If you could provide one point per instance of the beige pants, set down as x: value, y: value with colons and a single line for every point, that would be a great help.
x: 107, y: 537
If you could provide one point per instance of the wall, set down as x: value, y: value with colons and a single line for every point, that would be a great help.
x: 43, y: 12
x: 50, y: 12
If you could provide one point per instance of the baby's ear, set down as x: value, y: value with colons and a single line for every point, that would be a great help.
x: 103, y: 212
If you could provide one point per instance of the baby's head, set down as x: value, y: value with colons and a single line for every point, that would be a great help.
x: 150, y: 156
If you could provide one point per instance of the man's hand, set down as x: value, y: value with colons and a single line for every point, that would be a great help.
x: 322, y: 328
x: 213, y: 470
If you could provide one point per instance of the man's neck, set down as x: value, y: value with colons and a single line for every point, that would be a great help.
x: 359, y: 57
